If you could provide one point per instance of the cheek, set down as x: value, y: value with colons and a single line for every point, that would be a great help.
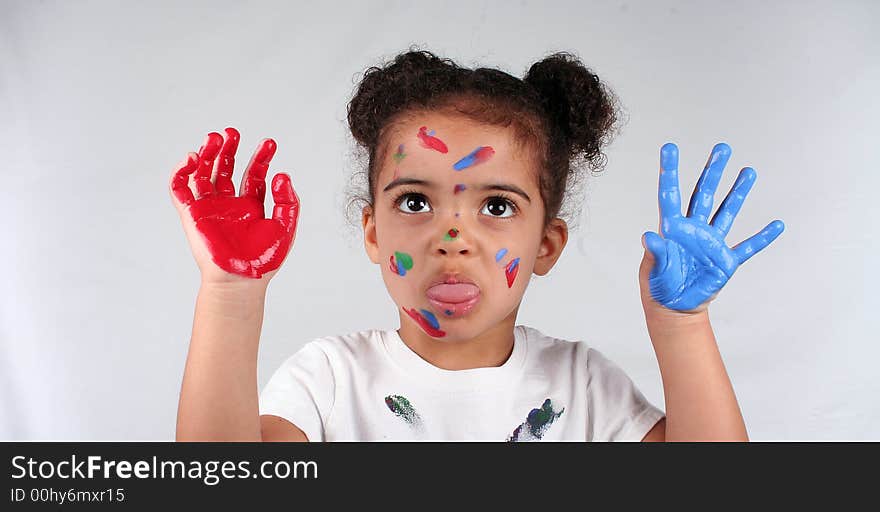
x: 507, y: 265
x: 400, y: 263
x: 513, y: 257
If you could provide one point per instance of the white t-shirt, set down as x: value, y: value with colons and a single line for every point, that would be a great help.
x: 370, y: 386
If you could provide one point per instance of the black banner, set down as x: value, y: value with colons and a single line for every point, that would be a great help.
x: 61, y: 475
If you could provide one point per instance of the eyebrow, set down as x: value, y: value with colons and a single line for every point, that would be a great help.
x: 488, y: 186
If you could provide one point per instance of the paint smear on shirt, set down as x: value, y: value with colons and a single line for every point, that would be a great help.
x: 404, y: 410
x: 536, y: 424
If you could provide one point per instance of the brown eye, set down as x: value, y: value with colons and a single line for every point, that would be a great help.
x: 413, y: 203
x: 499, y: 207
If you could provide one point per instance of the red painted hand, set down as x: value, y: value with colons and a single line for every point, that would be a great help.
x: 229, y: 235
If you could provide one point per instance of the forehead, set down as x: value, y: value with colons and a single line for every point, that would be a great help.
x: 461, y: 135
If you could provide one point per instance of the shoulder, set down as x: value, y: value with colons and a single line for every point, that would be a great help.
x: 353, y: 344
x: 342, y: 350
x: 580, y: 355
x: 545, y: 350
x: 540, y: 342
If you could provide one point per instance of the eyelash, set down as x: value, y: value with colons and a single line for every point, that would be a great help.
x: 411, y: 192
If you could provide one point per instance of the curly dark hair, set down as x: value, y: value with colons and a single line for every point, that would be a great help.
x: 560, y: 110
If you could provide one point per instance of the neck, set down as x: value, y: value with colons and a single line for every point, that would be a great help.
x: 490, y: 348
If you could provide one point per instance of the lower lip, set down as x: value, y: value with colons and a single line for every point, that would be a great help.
x: 453, y: 309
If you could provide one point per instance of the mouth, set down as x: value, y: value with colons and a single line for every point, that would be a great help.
x: 453, y: 297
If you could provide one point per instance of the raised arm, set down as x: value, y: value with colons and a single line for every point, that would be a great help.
x: 680, y: 274
x: 238, y: 251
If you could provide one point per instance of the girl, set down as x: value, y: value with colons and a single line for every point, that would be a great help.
x: 466, y: 176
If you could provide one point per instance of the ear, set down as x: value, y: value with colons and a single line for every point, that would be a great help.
x: 555, y: 238
x: 369, y: 224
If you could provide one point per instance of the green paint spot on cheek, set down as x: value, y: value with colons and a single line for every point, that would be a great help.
x: 404, y: 259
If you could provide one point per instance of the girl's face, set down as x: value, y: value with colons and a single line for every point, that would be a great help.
x: 457, y: 225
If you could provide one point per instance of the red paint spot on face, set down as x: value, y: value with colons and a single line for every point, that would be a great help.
x: 240, y: 240
x: 431, y: 142
x: 453, y: 233
x: 423, y: 323
x: 511, y: 270
x: 476, y: 157
x: 483, y: 154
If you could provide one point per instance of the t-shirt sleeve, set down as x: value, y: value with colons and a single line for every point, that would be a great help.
x: 617, y: 410
x: 302, y: 391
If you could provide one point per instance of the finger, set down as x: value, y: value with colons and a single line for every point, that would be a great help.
x: 286, y: 202
x: 207, y: 154
x: 222, y: 177
x: 669, y: 196
x: 180, y: 179
x: 754, y: 244
x: 704, y: 191
x: 253, y: 182
x: 731, y: 205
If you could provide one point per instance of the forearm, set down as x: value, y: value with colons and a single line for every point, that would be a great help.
x: 219, y: 395
x: 700, y: 402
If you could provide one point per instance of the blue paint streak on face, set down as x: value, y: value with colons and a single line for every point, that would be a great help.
x: 515, y: 264
x: 500, y: 254
x: 692, y: 261
x: 401, y: 269
x: 432, y: 132
x: 430, y: 318
x: 467, y: 161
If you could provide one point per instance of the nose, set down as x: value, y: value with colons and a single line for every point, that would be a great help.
x: 460, y: 251
x: 453, y: 241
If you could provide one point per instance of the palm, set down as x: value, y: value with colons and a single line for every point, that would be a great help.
x: 698, y: 265
x: 692, y: 260
x: 234, y: 230
x: 241, y: 240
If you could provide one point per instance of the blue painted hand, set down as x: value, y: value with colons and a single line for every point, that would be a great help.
x: 686, y: 268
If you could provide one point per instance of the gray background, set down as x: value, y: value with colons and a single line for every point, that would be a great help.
x: 99, y: 100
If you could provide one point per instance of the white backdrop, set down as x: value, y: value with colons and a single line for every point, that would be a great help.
x: 99, y: 100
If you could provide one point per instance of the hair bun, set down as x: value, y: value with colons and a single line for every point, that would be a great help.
x: 582, y: 108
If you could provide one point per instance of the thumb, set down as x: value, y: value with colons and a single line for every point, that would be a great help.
x: 286, y: 208
x: 656, y: 248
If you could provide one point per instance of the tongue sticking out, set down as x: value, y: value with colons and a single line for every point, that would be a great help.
x: 453, y: 293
